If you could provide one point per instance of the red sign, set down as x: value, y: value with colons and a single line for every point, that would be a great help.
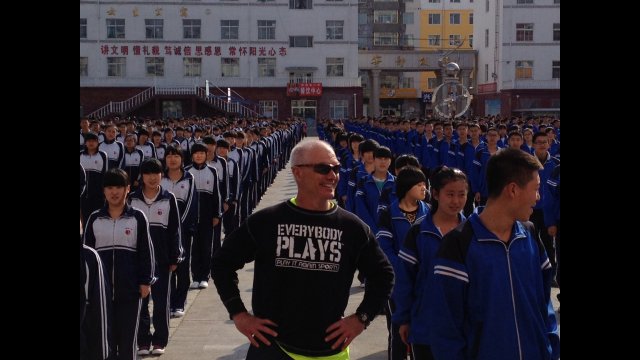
x: 304, y: 89
x: 487, y: 88
x: 186, y: 50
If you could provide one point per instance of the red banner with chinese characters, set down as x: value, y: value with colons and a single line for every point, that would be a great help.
x: 304, y: 89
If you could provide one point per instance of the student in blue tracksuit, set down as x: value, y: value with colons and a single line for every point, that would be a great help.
x: 492, y: 290
x: 552, y: 215
x: 414, y: 283
x: 161, y: 209
x: 209, y: 214
x: 182, y: 185
x: 371, y: 186
x: 120, y: 234
x: 95, y: 306
x: 95, y: 164
x: 393, y: 224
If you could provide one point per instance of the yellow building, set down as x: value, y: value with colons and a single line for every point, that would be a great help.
x: 444, y: 26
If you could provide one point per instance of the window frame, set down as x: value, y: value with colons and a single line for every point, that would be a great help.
x: 115, y: 30
x: 335, y: 66
x: 190, y: 64
x: 189, y: 27
x: 227, y: 28
x: 266, y: 30
x: 267, y: 67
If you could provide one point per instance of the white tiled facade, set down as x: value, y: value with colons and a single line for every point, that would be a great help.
x: 517, y: 37
x: 116, y: 58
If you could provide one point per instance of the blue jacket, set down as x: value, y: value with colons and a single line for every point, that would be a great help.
x: 187, y: 199
x: 164, y: 225
x: 125, y: 248
x: 393, y: 227
x: 366, y: 200
x: 492, y: 300
x: 551, y: 208
x: 414, y: 279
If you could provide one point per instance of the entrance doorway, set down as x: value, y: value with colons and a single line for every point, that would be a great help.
x: 306, y: 109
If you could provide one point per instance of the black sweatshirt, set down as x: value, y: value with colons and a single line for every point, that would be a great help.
x: 304, y: 266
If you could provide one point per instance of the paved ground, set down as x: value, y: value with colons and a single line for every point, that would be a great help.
x: 206, y: 332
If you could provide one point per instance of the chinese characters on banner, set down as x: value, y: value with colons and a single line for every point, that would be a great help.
x: 304, y: 89
x: 179, y: 50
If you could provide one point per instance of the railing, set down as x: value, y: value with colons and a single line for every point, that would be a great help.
x: 122, y: 106
x: 223, y: 104
x: 145, y: 95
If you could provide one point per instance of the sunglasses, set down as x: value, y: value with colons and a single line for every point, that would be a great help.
x: 323, y: 168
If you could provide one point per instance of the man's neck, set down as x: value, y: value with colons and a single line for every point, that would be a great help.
x: 497, y: 220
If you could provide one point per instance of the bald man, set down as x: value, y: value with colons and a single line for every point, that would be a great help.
x: 306, y: 251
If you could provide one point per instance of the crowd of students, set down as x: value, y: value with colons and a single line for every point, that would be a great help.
x: 417, y: 184
x: 154, y: 211
x: 453, y: 166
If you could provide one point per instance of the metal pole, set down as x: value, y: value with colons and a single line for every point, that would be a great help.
x: 355, y: 106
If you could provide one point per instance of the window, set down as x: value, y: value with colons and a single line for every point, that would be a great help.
x: 556, y: 1
x: 470, y: 18
x: 486, y: 72
x: 83, y: 28
x: 434, y: 40
x: 154, y: 28
x: 434, y: 1
x: 269, y: 108
x: 432, y: 83
x: 266, y: 67
x: 524, y: 69
x: 454, y: 1
x: 117, y: 66
x: 335, y: 66
x: 407, y: 18
x: 229, y: 29
x: 154, y: 66
x: 191, y: 28
x: 406, y: 40
x: 556, y: 32
x: 434, y: 19
x: 470, y: 41
x: 300, y: 41
x: 266, y: 29
x: 84, y: 66
x: 115, y: 28
x: 230, y: 67
x: 524, y: 2
x: 454, y: 18
x: 454, y: 40
x: 389, y: 81
x: 363, y: 43
x: 486, y: 7
x: 300, y: 4
x: 362, y: 18
x: 192, y: 66
x: 524, y: 32
x: 385, y: 39
x: 407, y: 82
x: 339, y: 109
x: 486, y: 37
x: 385, y: 17
x: 555, y: 70
x: 335, y: 29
